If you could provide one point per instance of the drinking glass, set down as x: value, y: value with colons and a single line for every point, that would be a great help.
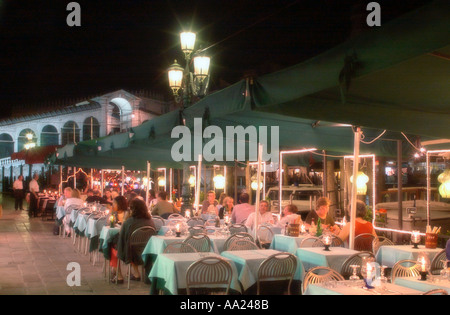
x: 354, y: 277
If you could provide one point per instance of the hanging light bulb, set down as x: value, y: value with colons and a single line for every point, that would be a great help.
x: 192, y: 181
x: 361, y: 183
x: 254, y: 185
x: 444, y: 179
x: 219, y: 182
x: 161, y: 181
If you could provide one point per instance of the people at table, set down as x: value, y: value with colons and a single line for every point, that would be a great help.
x: 163, y: 208
x: 19, y: 193
x: 108, y: 197
x: 34, y: 191
x: 94, y: 196
x: 120, y: 208
x: 209, y: 205
x: 361, y: 226
x: 74, y: 202
x: 289, y: 215
x: 227, y: 207
x: 447, y: 250
x: 139, y: 217
x: 322, y: 212
x: 265, y: 216
x: 152, y: 200
x: 67, y: 193
x: 242, y: 210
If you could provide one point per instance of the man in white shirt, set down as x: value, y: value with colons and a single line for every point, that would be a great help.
x: 289, y: 215
x: 241, y: 211
x: 18, y: 193
x: 34, y: 190
x: 264, y: 216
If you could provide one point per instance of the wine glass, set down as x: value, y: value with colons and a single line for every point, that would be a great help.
x: 383, y: 278
x: 354, y: 277
x: 444, y: 273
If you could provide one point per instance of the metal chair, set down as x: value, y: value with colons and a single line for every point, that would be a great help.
x: 381, y: 241
x: 209, y: 273
x: 405, y: 268
x: 210, y: 223
x: 437, y: 263
x: 309, y: 241
x: 364, y: 242
x: 49, y: 208
x: 138, y: 240
x: 436, y: 292
x: 280, y: 266
x: 200, y: 242
x: 320, y: 275
x: 102, y: 221
x: 194, y: 221
x: 179, y: 247
x: 335, y: 241
x: 238, y: 228
x: 264, y: 236
x: 356, y: 259
x: 175, y: 216
x: 239, y: 236
x: 195, y: 230
x: 159, y: 222
x: 243, y: 244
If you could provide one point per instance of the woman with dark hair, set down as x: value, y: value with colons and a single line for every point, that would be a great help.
x: 120, y: 208
x: 139, y: 217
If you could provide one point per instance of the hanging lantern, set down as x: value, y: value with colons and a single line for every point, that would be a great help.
x: 219, y: 182
x: 192, y: 181
x: 161, y: 181
x: 444, y: 179
x: 361, y: 183
x: 254, y: 185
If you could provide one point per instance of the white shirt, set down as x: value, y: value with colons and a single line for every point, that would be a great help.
x: 18, y: 184
x: 263, y: 218
x: 288, y: 219
x: 34, y: 186
x: 73, y: 202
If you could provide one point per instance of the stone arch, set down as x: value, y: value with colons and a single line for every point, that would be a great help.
x: 70, y: 133
x: 121, y: 114
x: 6, y: 145
x: 27, y: 135
x: 49, y: 135
x: 91, y: 128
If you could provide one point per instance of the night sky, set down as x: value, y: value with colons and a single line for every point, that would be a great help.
x: 130, y: 44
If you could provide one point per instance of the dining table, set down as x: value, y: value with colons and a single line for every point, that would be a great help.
x: 287, y: 243
x: 168, y: 273
x: 389, y: 255
x: 348, y: 287
x: 248, y: 262
x: 318, y: 257
x: 106, y: 240
x: 432, y: 283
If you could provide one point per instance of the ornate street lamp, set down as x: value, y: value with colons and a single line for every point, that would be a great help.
x: 186, y: 84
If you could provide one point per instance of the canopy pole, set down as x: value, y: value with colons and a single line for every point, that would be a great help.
x: 258, y: 190
x: 225, y: 176
x: 170, y: 183
x: 354, y: 188
x: 123, y: 180
x: 400, y: 184
x: 280, y: 182
x: 92, y: 179
x: 102, y: 181
x: 197, y: 184
x: 147, y: 187
x: 74, y: 178
x: 60, y: 179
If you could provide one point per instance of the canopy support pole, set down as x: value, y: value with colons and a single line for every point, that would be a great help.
x: 258, y: 191
x: 74, y: 178
x: 60, y: 179
x: 354, y: 188
x: 197, y: 183
x: 102, y: 184
x: 123, y: 180
x: 147, y: 187
x: 400, y: 184
x: 170, y: 183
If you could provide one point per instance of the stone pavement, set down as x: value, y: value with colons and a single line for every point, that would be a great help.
x: 33, y: 261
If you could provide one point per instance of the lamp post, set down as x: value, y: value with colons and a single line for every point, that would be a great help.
x: 186, y: 84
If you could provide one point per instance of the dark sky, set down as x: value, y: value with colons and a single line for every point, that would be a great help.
x: 130, y: 44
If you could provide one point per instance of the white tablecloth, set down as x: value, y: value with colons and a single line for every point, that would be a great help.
x: 389, y: 255
x: 316, y: 256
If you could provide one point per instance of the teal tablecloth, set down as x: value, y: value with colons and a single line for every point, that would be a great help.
x: 169, y: 272
x: 316, y: 256
x: 248, y: 261
x: 423, y: 286
x: 106, y: 237
x: 389, y: 255
x: 60, y: 212
x: 287, y: 243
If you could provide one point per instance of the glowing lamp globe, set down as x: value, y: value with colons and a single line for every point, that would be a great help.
x: 219, y: 182
x: 254, y: 185
x: 175, y: 73
x: 187, y: 40
x: 161, y: 181
x: 444, y: 179
x: 361, y: 183
x: 201, y: 67
x: 192, y: 180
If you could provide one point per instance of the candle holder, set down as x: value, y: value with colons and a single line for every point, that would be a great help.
x: 178, y: 234
x: 423, y: 276
x: 326, y: 248
x: 415, y: 239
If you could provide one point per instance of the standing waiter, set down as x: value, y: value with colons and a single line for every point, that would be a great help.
x: 18, y: 193
x: 34, y: 190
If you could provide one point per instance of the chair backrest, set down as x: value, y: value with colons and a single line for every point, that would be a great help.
x: 141, y: 235
x: 238, y: 236
x: 200, y: 242
x: 336, y: 241
x: 195, y: 230
x: 209, y: 272
x: 280, y: 266
x: 437, y: 263
x: 194, y: 221
x: 436, y: 292
x: 320, y: 275
x: 309, y: 241
x: 175, y: 216
x: 381, y: 241
x: 364, y: 242
x: 179, y: 247
x: 70, y: 208
x: 405, y: 268
x: 159, y: 222
x: 242, y: 244
x: 210, y: 223
x: 264, y: 236
x: 50, y: 204
x: 356, y: 259
x: 238, y: 228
